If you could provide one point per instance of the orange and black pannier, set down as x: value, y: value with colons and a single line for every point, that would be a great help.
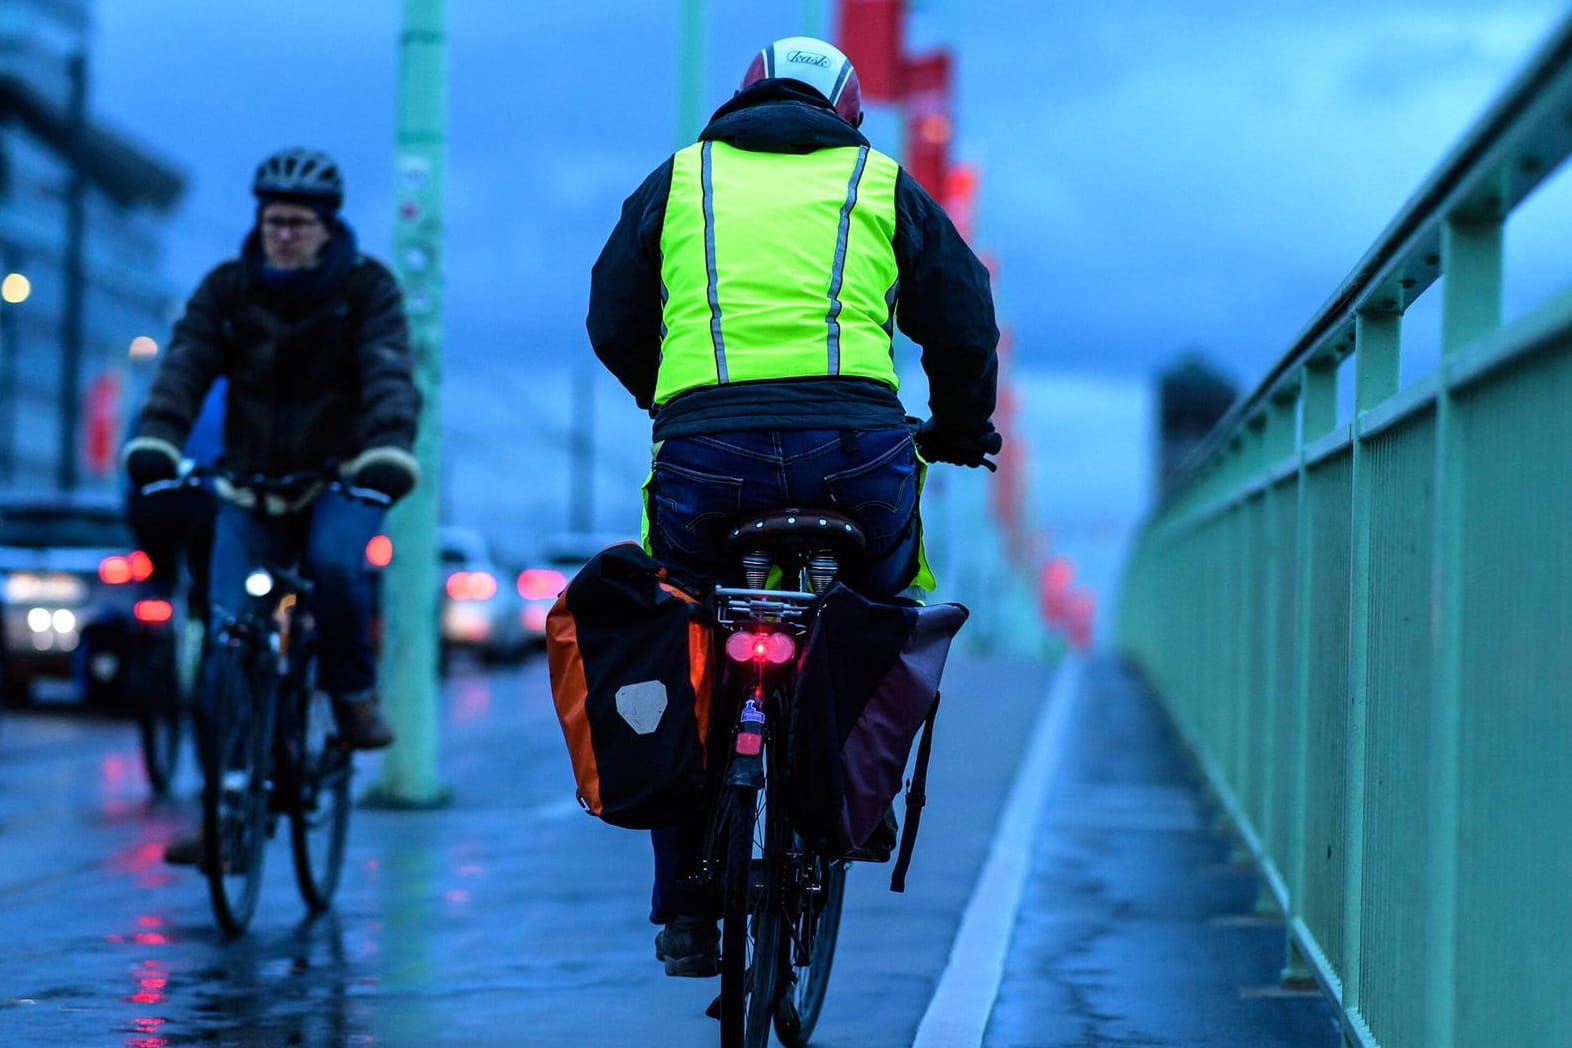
x: 629, y: 651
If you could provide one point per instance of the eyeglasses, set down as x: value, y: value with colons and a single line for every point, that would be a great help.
x: 293, y: 225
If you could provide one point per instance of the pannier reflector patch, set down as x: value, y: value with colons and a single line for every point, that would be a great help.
x: 642, y: 704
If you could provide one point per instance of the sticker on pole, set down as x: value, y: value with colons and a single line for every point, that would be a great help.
x: 414, y: 173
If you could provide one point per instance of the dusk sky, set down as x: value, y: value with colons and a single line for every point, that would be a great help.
x: 1155, y: 174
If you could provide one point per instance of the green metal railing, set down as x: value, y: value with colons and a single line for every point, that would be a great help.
x: 1364, y: 628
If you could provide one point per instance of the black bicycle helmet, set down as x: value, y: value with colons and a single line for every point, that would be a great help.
x: 307, y: 175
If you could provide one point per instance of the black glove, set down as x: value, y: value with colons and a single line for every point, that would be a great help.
x: 392, y: 471
x: 151, y: 460
x: 939, y: 445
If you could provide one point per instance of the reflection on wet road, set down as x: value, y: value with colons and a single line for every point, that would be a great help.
x: 508, y: 918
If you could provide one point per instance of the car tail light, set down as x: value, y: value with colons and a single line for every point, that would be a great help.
x: 541, y: 583
x: 472, y: 585
x: 379, y: 551
x: 758, y: 646
x: 152, y: 610
x: 135, y: 566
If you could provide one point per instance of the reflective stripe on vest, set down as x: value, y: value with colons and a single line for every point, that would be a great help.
x: 776, y: 266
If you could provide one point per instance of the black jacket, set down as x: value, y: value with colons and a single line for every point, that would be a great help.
x: 943, y: 299
x: 319, y: 369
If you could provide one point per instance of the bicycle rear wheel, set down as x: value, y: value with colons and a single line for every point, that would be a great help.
x: 236, y: 764
x: 771, y: 924
x: 742, y: 896
x: 319, y: 816
x: 817, y: 926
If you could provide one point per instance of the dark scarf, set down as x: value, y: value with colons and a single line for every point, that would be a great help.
x: 295, y: 292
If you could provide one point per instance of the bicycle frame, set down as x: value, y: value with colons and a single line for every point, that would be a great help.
x: 262, y: 657
x: 788, y: 895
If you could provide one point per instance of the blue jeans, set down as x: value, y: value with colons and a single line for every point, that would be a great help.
x: 701, y: 486
x: 328, y: 540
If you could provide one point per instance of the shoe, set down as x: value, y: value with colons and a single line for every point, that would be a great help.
x: 361, y: 725
x: 690, y: 946
x: 186, y: 850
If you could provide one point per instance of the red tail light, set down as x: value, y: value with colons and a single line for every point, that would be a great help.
x: 471, y: 585
x: 774, y: 648
x: 379, y: 551
x: 541, y: 583
x: 135, y: 566
x: 152, y: 610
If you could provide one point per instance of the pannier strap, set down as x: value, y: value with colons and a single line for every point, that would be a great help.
x: 916, y: 797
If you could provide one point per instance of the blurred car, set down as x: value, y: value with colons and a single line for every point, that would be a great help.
x: 71, y: 599
x: 558, y: 559
x: 479, y: 611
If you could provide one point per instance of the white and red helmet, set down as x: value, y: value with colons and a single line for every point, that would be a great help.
x: 820, y: 65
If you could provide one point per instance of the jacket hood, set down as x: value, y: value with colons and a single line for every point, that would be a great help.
x: 779, y: 115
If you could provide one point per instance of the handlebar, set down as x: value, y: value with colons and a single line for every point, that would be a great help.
x: 267, y: 489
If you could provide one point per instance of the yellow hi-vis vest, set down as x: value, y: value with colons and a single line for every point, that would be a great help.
x: 776, y: 266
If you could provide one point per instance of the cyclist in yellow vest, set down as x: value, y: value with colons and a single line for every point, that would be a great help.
x: 747, y: 298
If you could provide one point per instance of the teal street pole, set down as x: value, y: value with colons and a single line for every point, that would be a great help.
x: 813, y: 18
x: 409, y: 649
x: 690, y: 72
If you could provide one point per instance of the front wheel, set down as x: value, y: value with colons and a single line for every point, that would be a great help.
x: 160, y: 709
x: 319, y: 817
x: 236, y: 759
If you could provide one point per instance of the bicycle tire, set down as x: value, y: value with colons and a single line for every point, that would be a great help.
x: 772, y: 938
x: 319, y: 810
x: 738, y: 820
x: 160, y: 719
x: 797, y: 1013
x: 236, y: 766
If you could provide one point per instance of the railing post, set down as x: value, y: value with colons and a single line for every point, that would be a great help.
x: 1248, y: 556
x: 1278, y: 443
x: 1376, y: 350
x: 1470, y: 308
x: 1317, y: 418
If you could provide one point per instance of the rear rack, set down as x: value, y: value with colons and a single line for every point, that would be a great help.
x: 759, y: 605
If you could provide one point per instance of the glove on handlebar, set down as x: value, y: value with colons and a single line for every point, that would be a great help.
x: 938, y: 445
x: 392, y: 471
x: 148, y: 459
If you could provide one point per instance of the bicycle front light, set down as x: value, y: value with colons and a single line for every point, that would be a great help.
x: 757, y: 647
x: 259, y: 583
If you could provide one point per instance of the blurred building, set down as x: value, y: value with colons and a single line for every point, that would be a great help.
x: 82, y: 218
x: 1192, y: 395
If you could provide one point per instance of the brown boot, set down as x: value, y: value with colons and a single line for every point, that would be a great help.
x: 361, y: 725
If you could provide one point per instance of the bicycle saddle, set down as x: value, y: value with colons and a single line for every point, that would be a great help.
x: 805, y: 528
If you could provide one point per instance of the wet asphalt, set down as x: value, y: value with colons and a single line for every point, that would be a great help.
x: 510, y: 918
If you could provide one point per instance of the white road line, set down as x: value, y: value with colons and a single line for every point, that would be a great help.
x: 958, y: 1013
